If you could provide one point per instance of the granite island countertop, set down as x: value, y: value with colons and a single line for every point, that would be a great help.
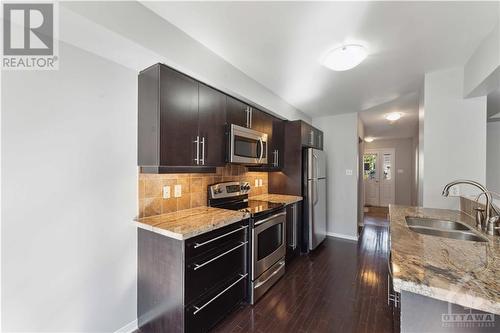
x: 278, y: 198
x: 457, y: 271
x: 192, y: 222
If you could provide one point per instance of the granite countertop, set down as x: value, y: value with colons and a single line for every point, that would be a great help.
x: 278, y: 198
x: 457, y: 271
x: 192, y: 222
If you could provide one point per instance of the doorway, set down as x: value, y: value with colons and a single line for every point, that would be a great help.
x: 378, y: 177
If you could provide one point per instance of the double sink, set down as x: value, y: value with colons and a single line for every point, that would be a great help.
x: 443, y: 228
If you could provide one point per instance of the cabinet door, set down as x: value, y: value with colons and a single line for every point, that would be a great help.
x: 262, y: 122
x: 307, y: 134
x: 236, y: 112
x: 178, y: 118
x: 277, y: 151
x: 293, y: 213
x: 212, y: 121
x: 318, y: 139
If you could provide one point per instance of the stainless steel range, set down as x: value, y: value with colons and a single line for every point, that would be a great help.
x: 268, y: 234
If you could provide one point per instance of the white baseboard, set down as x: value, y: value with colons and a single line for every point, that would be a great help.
x: 336, y: 235
x: 129, y: 328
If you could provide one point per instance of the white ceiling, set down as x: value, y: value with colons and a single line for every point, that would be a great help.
x: 279, y: 44
x: 377, y: 127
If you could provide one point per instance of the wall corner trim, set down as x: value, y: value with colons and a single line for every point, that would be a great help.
x: 129, y: 328
x: 343, y: 236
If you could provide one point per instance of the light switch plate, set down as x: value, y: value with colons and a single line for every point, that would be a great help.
x: 178, y: 191
x: 348, y: 172
x: 166, y: 192
x: 256, y: 183
x: 260, y: 182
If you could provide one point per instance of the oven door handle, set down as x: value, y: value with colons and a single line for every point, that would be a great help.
x: 260, y: 283
x: 269, y: 218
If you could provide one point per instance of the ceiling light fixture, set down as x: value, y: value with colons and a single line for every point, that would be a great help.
x: 394, y: 116
x: 369, y: 139
x: 345, y: 57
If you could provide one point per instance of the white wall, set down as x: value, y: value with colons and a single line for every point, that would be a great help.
x: 361, y: 184
x: 493, y: 157
x: 69, y: 193
x: 341, y: 148
x: 455, y: 137
x: 482, y: 70
x: 404, y: 161
x: 421, y: 117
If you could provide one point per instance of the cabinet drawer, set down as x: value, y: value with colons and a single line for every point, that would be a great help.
x: 207, y: 271
x: 208, y: 242
x: 214, y: 306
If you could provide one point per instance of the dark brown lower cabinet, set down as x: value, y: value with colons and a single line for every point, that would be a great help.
x: 293, y: 230
x: 189, y: 286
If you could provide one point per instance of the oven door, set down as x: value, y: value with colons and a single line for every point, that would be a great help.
x: 269, y: 243
x: 247, y: 146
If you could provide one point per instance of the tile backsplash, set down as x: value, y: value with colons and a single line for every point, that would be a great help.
x: 193, y: 188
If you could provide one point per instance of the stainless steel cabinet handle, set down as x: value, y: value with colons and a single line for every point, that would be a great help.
x: 282, y: 263
x: 199, y: 308
x: 269, y: 218
x: 198, y: 266
x: 197, y: 142
x: 251, y: 116
x: 202, y: 160
x: 197, y: 245
x: 247, y: 110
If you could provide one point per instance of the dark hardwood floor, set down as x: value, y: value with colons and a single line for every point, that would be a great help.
x: 341, y: 287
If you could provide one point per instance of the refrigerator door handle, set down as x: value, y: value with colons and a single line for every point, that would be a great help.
x: 316, y: 196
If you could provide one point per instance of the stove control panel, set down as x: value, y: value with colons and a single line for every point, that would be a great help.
x: 228, y: 189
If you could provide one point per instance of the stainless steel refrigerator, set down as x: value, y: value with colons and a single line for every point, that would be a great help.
x: 315, y: 195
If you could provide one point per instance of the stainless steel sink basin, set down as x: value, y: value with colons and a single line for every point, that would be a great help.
x: 443, y: 228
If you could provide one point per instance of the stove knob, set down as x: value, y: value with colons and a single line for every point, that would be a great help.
x: 247, y: 187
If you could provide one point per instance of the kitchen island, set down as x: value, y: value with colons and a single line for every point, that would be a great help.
x: 438, y: 277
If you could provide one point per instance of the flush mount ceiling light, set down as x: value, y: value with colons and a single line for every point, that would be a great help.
x: 369, y: 139
x: 345, y: 57
x: 394, y: 116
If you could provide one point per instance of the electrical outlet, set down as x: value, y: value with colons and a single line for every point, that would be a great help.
x: 260, y: 182
x: 178, y: 191
x: 348, y: 172
x: 166, y: 192
x: 256, y: 183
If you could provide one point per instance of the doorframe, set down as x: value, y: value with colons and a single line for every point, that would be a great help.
x: 381, y: 151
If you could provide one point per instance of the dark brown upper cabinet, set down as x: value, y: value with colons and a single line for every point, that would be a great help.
x: 179, y: 126
x: 262, y: 122
x: 311, y: 137
x: 237, y: 113
x: 277, y: 146
x: 212, y: 120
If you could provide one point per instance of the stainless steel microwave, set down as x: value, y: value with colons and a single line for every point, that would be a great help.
x: 247, y: 146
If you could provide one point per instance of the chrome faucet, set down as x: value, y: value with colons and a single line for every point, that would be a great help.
x: 490, y: 220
